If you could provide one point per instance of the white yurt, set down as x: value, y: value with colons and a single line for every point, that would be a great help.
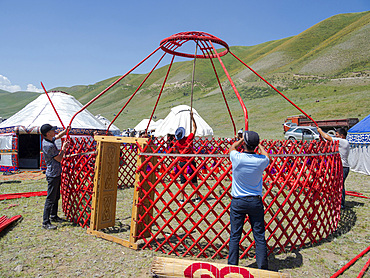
x: 179, y: 116
x: 20, y: 138
x: 359, y: 138
x: 113, y: 129
x: 144, y: 124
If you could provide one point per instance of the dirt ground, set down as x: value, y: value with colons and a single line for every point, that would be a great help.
x: 21, y: 176
x: 27, y: 250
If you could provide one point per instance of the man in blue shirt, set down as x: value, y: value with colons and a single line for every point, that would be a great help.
x: 246, y: 190
x: 53, y: 158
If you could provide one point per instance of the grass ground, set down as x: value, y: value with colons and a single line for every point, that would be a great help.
x: 27, y: 250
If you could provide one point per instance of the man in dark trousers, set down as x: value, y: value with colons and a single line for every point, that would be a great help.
x: 341, y: 137
x: 246, y: 190
x: 53, y: 158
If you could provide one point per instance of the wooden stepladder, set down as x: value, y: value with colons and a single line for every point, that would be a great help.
x: 104, y: 199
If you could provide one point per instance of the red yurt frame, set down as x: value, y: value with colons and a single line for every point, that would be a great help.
x: 302, y: 184
x: 302, y: 193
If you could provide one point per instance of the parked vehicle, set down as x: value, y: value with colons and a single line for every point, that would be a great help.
x: 302, y: 133
x: 327, y: 126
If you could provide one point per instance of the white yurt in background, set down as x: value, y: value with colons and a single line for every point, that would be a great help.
x: 113, y: 129
x: 179, y: 116
x: 20, y: 138
x: 144, y: 124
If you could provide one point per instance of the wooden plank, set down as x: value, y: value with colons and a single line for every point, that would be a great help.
x: 116, y: 139
x: 97, y: 170
x: 113, y: 239
x: 171, y: 267
x: 107, y: 186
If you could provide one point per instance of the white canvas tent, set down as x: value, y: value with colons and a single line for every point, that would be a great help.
x: 144, y: 123
x: 40, y: 111
x: 115, y: 130
x: 359, y: 138
x: 180, y: 116
x: 20, y: 139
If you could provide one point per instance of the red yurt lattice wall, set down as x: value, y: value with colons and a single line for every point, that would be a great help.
x: 302, y: 190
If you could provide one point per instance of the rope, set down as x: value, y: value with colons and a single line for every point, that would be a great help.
x: 291, y: 102
x: 227, y: 155
x: 192, y: 81
x: 74, y: 154
x: 307, y: 154
x: 184, y: 155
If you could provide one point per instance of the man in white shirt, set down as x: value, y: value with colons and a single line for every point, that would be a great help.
x: 340, y: 135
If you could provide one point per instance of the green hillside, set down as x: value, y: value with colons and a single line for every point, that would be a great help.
x: 325, y: 70
x: 11, y: 103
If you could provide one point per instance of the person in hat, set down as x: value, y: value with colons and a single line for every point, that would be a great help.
x: 184, y: 145
x: 246, y: 191
x: 53, y: 158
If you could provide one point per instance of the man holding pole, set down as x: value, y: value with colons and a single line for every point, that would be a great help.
x: 246, y: 190
x: 184, y: 145
x: 340, y: 135
x: 53, y: 158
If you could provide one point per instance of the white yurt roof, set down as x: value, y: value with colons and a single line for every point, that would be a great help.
x: 179, y: 116
x: 144, y: 123
x: 40, y: 111
x: 106, y: 122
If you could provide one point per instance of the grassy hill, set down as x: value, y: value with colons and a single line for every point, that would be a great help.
x: 325, y: 70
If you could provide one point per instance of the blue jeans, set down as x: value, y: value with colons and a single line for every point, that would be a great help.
x: 253, y: 207
x: 345, y: 175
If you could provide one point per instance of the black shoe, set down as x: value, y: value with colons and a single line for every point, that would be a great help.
x: 57, y: 219
x: 49, y: 226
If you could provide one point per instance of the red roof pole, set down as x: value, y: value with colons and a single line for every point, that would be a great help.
x: 160, y: 93
x: 363, y: 270
x: 219, y: 84
x: 109, y: 87
x: 234, y: 88
x: 155, y: 66
x: 60, y: 120
x: 351, y: 262
x: 274, y: 88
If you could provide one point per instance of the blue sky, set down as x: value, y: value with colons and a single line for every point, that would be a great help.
x: 66, y: 43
